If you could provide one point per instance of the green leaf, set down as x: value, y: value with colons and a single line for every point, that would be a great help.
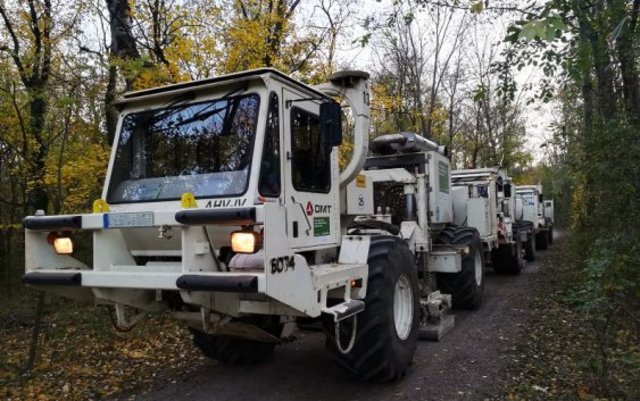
x: 545, y: 29
x: 479, y: 94
x: 556, y: 22
x: 530, y: 30
x: 477, y: 7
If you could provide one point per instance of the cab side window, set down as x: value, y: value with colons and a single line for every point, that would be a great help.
x: 269, y: 182
x: 311, y: 163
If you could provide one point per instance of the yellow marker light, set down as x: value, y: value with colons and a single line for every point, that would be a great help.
x: 245, y: 241
x: 100, y: 206
x: 188, y: 201
x: 63, y: 245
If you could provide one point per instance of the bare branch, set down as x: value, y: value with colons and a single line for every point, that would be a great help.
x: 15, y: 52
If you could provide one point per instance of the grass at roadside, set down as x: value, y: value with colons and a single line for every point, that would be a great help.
x: 560, y: 356
x: 81, y: 356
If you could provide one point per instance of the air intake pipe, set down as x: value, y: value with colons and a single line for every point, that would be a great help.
x: 354, y: 88
x: 405, y: 142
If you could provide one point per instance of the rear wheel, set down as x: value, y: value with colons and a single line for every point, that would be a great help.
x: 387, y: 329
x: 235, y: 350
x: 550, y: 240
x: 466, y: 287
x: 542, y: 240
x: 530, y: 245
x: 507, y: 259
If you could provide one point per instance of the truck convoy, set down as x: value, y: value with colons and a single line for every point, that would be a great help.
x: 224, y: 204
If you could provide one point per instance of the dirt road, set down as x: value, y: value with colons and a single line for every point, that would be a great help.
x: 468, y: 364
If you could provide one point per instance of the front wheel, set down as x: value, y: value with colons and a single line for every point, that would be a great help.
x: 235, y: 350
x: 387, y: 329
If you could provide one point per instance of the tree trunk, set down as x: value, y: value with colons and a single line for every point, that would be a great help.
x: 123, y: 43
x: 123, y: 48
x: 111, y: 114
x: 37, y: 327
x: 38, y: 197
x: 627, y: 56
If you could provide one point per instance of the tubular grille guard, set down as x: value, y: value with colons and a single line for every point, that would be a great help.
x: 70, y: 279
x: 218, y: 283
x: 51, y: 223
x: 235, y: 216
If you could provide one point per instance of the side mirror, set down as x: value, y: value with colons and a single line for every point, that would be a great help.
x: 331, y: 123
x: 540, y: 198
x: 507, y: 190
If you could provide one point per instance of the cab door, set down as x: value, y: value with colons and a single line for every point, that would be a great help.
x: 310, y: 176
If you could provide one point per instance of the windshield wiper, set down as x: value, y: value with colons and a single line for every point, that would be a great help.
x: 171, y: 109
x: 205, y: 113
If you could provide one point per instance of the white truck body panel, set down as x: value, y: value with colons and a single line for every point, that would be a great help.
x: 479, y: 216
x: 440, y: 198
x: 548, y: 210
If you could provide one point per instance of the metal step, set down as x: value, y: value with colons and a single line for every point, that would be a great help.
x: 345, y: 309
x: 435, y: 331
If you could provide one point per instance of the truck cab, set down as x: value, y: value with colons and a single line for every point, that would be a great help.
x: 532, y: 212
x: 220, y: 195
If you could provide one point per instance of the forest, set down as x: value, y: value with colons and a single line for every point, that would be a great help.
x: 474, y: 75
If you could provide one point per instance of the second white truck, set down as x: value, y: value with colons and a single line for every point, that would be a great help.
x: 483, y: 198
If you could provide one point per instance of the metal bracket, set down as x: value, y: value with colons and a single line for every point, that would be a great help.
x: 434, y: 321
x: 207, y: 327
x: 304, y: 213
x: 122, y: 322
x: 289, y: 102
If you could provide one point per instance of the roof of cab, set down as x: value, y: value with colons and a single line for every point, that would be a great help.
x: 182, y: 87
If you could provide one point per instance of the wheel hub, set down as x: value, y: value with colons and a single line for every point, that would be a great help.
x: 478, y: 268
x: 403, y: 307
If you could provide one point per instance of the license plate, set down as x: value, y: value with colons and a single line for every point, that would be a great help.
x: 134, y: 219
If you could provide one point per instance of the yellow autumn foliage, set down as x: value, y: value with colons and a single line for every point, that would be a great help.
x: 77, y: 176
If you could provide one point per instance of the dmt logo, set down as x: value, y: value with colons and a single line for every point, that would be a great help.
x: 311, y: 209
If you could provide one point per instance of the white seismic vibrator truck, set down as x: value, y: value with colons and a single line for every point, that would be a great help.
x: 224, y: 204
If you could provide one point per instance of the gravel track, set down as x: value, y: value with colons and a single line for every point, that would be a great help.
x: 470, y: 363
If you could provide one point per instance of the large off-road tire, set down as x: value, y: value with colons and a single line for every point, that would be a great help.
x: 234, y: 350
x: 530, y: 245
x: 550, y: 224
x: 508, y: 258
x: 467, y: 286
x: 387, y: 329
x: 542, y: 240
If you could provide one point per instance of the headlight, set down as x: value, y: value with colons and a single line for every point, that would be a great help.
x: 62, y: 245
x: 245, y: 241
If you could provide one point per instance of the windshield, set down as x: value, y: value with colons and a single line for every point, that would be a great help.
x: 528, y: 198
x: 203, y: 148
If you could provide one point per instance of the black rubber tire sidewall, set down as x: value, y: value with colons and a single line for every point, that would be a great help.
x: 530, y: 245
x: 378, y: 353
x: 237, y: 351
x: 542, y: 240
x: 465, y: 292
